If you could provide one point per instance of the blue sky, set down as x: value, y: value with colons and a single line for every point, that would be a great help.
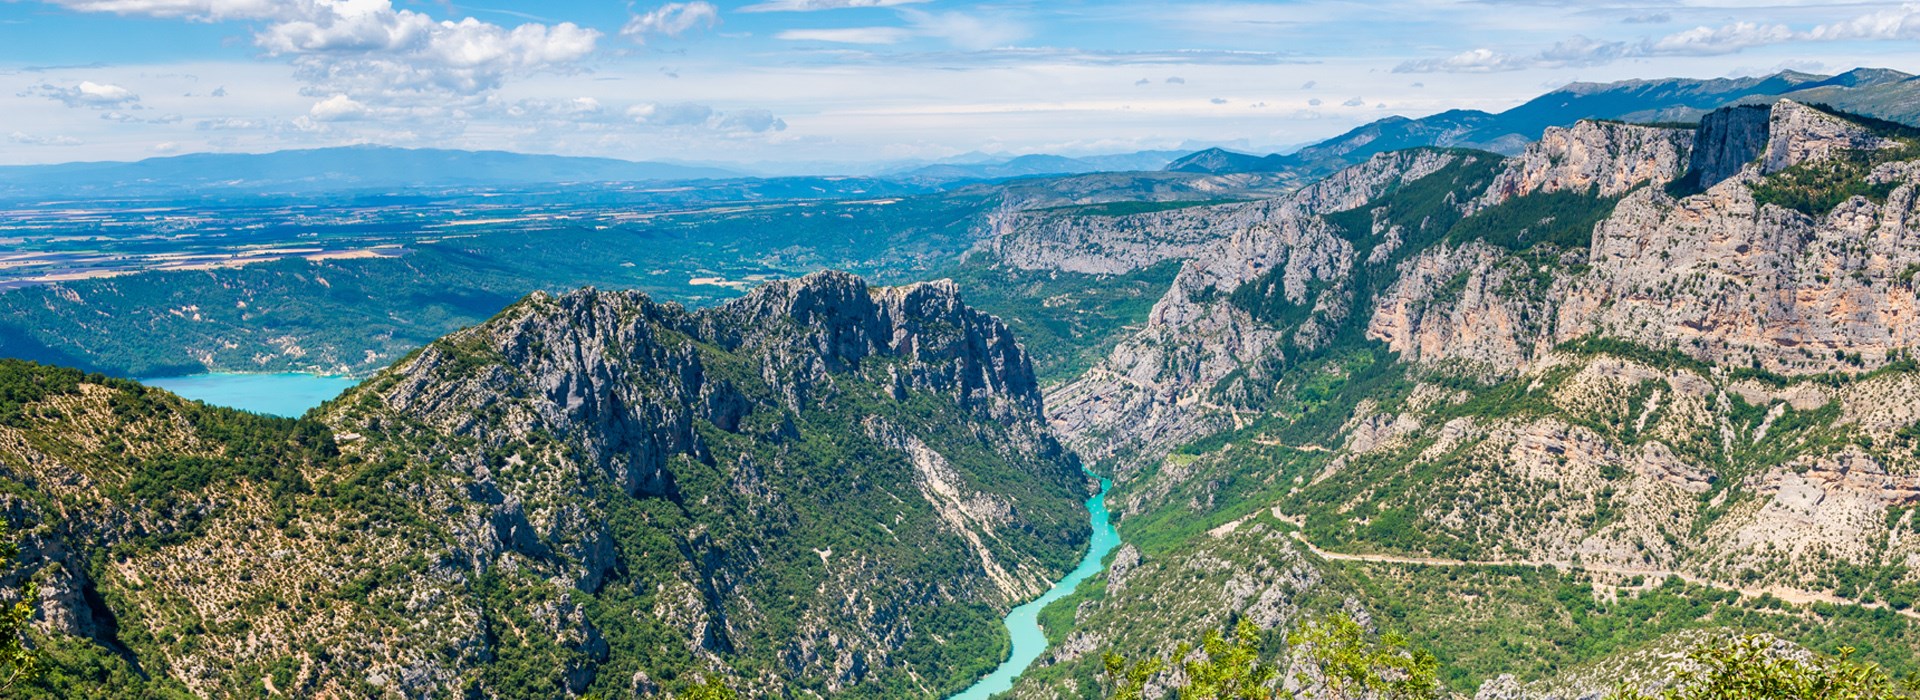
x: 812, y: 83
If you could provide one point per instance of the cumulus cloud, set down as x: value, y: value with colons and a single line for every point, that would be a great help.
x: 1218, y: 100
x: 376, y: 54
x: 1315, y: 102
x: 1176, y: 80
x: 338, y: 108
x: 88, y: 94
x: 815, y: 5
x: 671, y: 19
x: 1354, y: 102
x: 35, y: 140
x: 1142, y: 81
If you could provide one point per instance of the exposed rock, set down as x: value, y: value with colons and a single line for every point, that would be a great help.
x: 1606, y: 159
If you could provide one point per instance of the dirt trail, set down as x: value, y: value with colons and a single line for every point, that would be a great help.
x: 1790, y: 595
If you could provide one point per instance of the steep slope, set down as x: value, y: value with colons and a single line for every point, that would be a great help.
x: 820, y: 488
x: 1525, y: 405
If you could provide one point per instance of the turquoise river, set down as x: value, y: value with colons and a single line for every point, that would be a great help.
x: 293, y: 394
x: 1024, y: 622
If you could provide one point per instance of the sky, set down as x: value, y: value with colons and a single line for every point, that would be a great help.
x: 823, y: 84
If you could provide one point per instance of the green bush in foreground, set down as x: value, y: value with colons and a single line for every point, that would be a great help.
x: 1752, y: 669
x: 1349, y: 663
x: 18, y: 664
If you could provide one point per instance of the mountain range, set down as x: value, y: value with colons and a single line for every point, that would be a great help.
x: 1582, y: 415
x: 330, y: 170
x: 1875, y: 92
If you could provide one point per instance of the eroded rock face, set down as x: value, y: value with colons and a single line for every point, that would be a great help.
x: 1148, y: 393
x: 1606, y: 159
x: 1729, y: 140
x: 1717, y: 275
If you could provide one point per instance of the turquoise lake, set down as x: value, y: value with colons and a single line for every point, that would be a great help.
x: 1024, y: 622
x: 285, y: 394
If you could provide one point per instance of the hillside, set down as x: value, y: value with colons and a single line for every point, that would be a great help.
x: 820, y: 488
x: 1633, y: 381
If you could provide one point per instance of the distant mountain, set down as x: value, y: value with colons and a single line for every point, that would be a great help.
x: 1040, y: 164
x: 331, y: 169
x: 1877, y: 92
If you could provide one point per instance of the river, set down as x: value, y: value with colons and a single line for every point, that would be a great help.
x: 1024, y: 622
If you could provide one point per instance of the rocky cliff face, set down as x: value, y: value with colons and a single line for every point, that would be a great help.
x: 1593, y: 358
x: 808, y: 490
x: 1150, y: 393
x: 1720, y: 275
x: 1605, y: 159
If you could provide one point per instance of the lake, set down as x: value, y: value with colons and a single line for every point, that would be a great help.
x: 285, y: 394
x: 1024, y: 622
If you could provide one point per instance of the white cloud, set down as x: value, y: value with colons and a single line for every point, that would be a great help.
x: 338, y: 108
x: 88, y: 94
x: 1353, y: 102
x: 966, y: 31
x: 1579, y: 51
x: 848, y: 35
x: 205, y: 10
x: 227, y: 124
x: 683, y: 114
x: 1705, y: 41
x: 688, y: 114
x: 814, y: 5
x: 376, y: 54
x: 1903, y: 23
x: 129, y: 118
x: 32, y: 140
x: 671, y: 19
x: 166, y: 147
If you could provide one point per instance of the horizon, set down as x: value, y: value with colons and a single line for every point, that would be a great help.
x: 802, y: 82
x: 875, y: 168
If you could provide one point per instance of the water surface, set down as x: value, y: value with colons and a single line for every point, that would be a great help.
x: 1024, y: 622
x: 286, y: 394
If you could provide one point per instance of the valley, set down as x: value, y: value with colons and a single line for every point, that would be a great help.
x: 1550, y: 397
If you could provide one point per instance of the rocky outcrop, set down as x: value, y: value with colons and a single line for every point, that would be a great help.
x: 1149, y: 392
x: 1729, y: 140
x: 1605, y: 159
x: 1718, y: 275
